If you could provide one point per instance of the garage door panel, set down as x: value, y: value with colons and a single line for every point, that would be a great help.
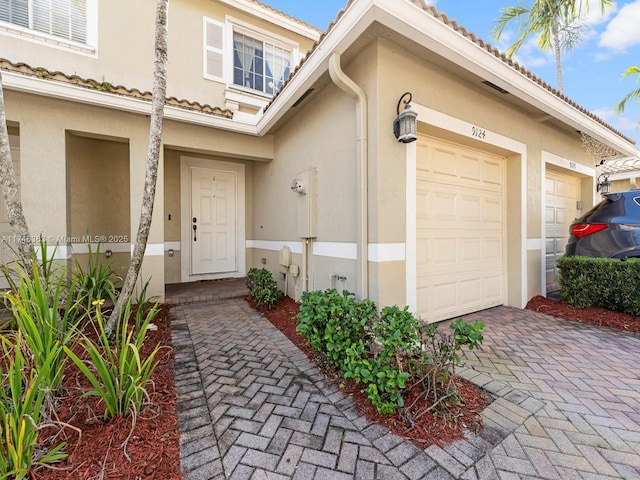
x: 493, y: 173
x: 470, y: 168
x: 493, y: 250
x: 471, y: 291
x: 471, y: 249
x: 468, y: 208
x: 492, y: 210
x: 442, y: 250
x: 444, y: 295
x: 460, y: 220
x: 562, y: 194
x: 444, y: 162
x: 442, y: 205
x: 573, y: 190
x: 447, y: 299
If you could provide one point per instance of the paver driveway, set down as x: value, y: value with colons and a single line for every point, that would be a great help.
x: 251, y: 405
x: 589, y: 381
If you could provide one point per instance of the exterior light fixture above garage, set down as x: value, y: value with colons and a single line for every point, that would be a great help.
x: 405, y: 125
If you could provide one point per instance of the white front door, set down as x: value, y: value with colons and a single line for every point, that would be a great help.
x: 213, y: 221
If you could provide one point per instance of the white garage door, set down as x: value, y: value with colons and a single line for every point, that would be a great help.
x: 460, y: 229
x: 562, y: 195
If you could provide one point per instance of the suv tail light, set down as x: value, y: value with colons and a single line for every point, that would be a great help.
x: 584, y: 229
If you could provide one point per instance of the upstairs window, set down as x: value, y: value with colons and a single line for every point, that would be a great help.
x: 259, y: 65
x: 66, y: 19
x: 244, y: 57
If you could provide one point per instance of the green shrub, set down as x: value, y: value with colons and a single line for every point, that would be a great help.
x: 23, y: 391
x: 383, y: 351
x: 601, y: 282
x: 262, y: 287
x: 117, y: 373
x: 396, y: 336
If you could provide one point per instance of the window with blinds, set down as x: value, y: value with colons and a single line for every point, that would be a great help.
x: 65, y: 19
x: 237, y: 56
x: 259, y: 65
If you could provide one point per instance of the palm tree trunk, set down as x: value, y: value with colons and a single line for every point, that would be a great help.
x: 557, y: 48
x: 11, y: 196
x: 153, y: 156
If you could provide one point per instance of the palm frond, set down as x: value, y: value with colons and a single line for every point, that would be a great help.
x: 633, y: 95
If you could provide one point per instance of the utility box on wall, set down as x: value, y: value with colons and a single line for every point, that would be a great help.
x: 305, y: 187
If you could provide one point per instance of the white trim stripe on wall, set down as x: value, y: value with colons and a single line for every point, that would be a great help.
x: 378, y: 252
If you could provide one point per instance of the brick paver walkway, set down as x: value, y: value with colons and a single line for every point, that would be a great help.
x: 252, y: 406
x: 588, y: 380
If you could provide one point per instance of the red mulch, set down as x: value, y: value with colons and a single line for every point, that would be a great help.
x: 594, y: 315
x: 428, y: 429
x: 152, y: 450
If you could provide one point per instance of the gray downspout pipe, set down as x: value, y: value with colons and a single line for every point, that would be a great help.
x: 362, y: 182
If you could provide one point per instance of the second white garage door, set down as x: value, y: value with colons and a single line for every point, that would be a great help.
x: 460, y: 229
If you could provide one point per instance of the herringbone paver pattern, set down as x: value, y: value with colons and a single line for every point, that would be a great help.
x: 587, y: 379
x: 251, y: 405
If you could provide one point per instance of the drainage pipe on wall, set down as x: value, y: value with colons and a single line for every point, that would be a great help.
x: 351, y: 88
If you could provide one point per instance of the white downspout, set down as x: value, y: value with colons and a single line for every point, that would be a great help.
x: 350, y: 87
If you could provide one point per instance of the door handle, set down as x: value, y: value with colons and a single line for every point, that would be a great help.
x: 195, y: 228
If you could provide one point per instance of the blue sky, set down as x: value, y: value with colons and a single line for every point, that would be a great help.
x: 592, y: 72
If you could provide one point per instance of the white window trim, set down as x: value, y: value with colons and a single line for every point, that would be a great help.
x: 257, y: 33
x: 206, y: 48
x: 34, y: 36
x: 237, y: 96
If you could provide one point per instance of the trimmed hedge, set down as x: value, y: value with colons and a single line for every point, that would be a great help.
x: 601, y: 282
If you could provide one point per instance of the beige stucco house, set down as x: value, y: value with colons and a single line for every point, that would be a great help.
x: 278, y: 135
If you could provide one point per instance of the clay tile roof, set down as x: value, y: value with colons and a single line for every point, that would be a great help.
x: 103, y: 86
x: 433, y: 11
x: 283, y: 14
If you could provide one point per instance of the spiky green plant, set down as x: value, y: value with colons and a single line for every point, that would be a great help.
x: 23, y: 392
x: 118, y: 374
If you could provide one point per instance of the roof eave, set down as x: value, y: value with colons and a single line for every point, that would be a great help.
x: 66, y: 91
x: 418, y: 25
x: 276, y: 17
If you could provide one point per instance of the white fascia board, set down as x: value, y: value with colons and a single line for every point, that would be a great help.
x: 64, y: 91
x: 351, y: 25
x: 416, y: 24
x: 273, y: 17
x: 421, y: 27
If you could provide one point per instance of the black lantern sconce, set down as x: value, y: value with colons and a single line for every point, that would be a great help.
x: 604, y: 185
x: 405, y: 126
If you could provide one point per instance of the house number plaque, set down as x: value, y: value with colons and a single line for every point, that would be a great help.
x: 478, y: 132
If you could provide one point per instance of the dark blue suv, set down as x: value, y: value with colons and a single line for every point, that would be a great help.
x: 610, y: 229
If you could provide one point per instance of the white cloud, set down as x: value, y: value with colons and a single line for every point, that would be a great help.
x: 622, y: 31
x: 628, y: 123
x: 592, y: 15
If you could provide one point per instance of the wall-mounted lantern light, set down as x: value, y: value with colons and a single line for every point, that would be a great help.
x: 604, y: 185
x: 405, y: 126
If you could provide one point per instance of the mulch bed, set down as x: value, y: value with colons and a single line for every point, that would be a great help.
x: 428, y: 429
x: 113, y: 450
x: 152, y: 450
x: 593, y: 315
